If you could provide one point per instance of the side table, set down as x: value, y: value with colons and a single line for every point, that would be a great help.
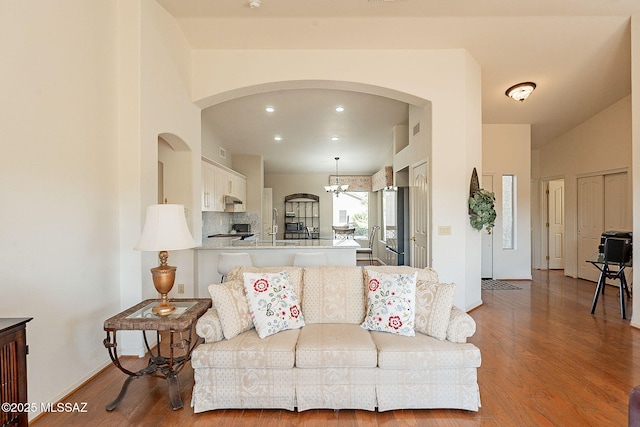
x: 180, y: 325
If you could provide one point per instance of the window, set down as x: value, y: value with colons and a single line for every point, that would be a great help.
x: 352, y: 208
x: 508, y: 211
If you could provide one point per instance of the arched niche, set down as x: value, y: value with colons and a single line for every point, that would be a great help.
x: 174, y: 170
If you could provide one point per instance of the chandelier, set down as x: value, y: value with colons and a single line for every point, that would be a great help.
x: 336, y: 188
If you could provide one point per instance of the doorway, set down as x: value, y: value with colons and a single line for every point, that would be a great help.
x: 555, y: 224
x: 419, y: 206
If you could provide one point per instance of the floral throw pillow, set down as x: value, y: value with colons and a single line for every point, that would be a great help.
x: 273, y: 303
x: 391, y: 303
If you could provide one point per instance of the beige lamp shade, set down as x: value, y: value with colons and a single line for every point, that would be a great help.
x: 165, y: 229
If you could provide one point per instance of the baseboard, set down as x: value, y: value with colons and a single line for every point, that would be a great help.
x: 65, y: 393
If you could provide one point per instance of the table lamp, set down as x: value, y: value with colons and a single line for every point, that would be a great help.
x: 165, y: 229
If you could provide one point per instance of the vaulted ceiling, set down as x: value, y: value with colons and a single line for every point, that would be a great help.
x: 577, y: 51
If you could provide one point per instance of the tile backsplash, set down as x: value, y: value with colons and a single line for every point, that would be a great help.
x: 221, y: 222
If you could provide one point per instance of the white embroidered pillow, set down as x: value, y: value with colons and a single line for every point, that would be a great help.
x: 230, y: 302
x: 273, y: 303
x: 391, y: 303
x: 433, y: 308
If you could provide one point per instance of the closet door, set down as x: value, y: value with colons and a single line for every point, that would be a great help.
x: 590, y: 223
x: 604, y: 204
x: 617, y: 206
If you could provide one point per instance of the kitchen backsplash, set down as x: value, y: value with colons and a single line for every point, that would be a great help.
x: 221, y: 222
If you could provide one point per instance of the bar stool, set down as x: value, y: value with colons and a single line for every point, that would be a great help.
x: 228, y: 260
x: 309, y: 259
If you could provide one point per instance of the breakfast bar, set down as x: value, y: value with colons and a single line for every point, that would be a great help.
x: 266, y: 253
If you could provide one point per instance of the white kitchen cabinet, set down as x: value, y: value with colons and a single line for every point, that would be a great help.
x: 218, y: 182
x: 238, y: 189
x: 222, y: 188
x: 208, y: 187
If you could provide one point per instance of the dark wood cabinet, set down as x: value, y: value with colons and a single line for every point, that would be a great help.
x: 13, y: 371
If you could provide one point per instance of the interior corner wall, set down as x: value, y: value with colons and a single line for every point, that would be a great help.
x: 59, y: 210
x: 580, y: 152
x: 506, y: 150
x: 635, y: 143
x: 448, y: 79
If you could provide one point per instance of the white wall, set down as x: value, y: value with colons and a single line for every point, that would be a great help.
x: 59, y: 169
x: 449, y: 79
x: 89, y: 88
x: 506, y: 150
x: 600, y: 144
x: 635, y: 123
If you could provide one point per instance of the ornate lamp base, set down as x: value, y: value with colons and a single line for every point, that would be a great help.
x: 163, y: 277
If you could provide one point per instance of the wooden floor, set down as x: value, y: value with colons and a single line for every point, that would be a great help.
x: 546, y: 361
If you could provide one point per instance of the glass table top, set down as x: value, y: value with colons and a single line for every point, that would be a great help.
x: 146, y: 313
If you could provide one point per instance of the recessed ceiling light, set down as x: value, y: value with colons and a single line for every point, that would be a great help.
x: 340, y: 109
x: 269, y: 109
x: 335, y: 138
x: 277, y: 138
x: 521, y: 91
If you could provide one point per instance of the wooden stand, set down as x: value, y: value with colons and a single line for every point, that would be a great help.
x: 13, y: 362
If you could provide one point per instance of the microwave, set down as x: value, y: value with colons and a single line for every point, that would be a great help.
x: 294, y: 226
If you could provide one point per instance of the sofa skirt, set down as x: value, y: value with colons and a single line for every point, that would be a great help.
x: 336, y: 388
x: 246, y: 388
x: 427, y: 389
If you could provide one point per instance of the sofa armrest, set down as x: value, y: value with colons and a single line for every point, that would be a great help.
x: 209, y: 326
x: 461, y: 326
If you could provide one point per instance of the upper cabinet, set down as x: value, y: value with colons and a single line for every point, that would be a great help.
x: 208, y: 187
x: 223, y: 190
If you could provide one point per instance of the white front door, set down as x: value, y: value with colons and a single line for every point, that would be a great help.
x: 487, y: 239
x: 590, y: 223
x: 556, y: 224
x: 419, y: 206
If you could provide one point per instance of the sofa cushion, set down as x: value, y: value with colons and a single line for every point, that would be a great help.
x: 273, y: 303
x: 333, y: 294
x: 248, y: 350
x: 433, y: 308
x: 391, y: 303
x: 295, y: 274
x: 333, y: 345
x: 423, y: 352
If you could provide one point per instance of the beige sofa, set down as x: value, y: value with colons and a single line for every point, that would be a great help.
x: 332, y: 361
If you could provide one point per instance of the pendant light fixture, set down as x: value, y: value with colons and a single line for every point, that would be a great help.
x: 336, y: 188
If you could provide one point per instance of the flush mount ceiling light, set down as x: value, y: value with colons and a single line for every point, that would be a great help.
x: 254, y: 4
x: 336, y: 188
x: 340, y: 109
x: 277, y: 138
x: 335, y: 138
x: 521, y: 91
x: 269, y: 109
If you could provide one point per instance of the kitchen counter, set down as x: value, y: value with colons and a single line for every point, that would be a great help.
x: 265, y: 253
x: 234, y: 243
